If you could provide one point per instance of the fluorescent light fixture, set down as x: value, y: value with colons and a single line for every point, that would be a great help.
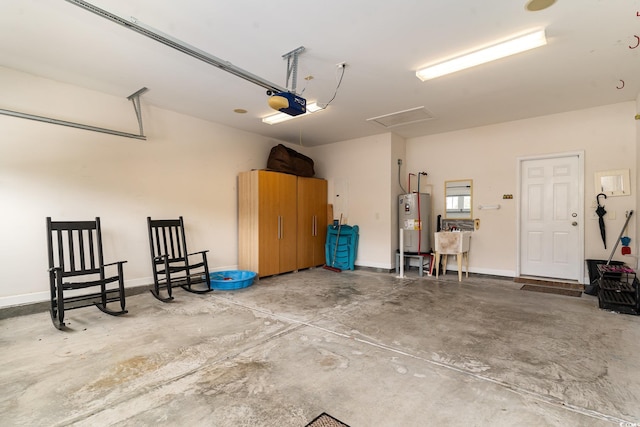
x: 283, y: 117
x: 313, y: 107
x: 491, y: 53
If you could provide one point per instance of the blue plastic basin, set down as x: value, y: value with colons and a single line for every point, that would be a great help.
x: 232, y: 279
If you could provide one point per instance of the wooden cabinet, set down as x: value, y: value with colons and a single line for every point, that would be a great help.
x: 281, y: 222
x: 312, y: 221
x: 267, y: 222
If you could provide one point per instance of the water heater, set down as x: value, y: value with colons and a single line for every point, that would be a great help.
x: 413, y: 218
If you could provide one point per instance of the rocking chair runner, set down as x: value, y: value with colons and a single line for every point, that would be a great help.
x: 76, y: 266
x: 170, y: 260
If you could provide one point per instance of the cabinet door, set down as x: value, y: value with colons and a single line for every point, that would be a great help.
x: 312, y: 221
x: 268, y: 224
x: 277, y: 222
x: 287, y: 211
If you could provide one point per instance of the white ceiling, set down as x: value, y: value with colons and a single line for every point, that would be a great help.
x: 588, y: 56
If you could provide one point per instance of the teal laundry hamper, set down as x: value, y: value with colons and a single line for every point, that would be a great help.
x: 345, y: 255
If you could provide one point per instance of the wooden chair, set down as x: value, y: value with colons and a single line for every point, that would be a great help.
x: 77, y: 272
x: 170, y: 260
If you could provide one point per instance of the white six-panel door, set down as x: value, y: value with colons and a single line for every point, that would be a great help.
x: 551, y: 218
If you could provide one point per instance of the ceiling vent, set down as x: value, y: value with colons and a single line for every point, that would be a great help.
x: 401, y: 118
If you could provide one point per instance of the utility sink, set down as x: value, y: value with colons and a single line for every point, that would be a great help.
x: 453, y: 243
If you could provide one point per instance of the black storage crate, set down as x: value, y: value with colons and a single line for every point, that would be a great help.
x: 594, y: 274
x: 621, y: 294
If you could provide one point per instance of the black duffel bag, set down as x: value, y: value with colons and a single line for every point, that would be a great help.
x: 284, y: 159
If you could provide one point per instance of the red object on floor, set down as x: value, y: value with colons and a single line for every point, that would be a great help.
x: 626, y: 250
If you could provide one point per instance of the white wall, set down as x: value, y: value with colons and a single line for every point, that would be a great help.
x: 359, y: 174
x: 186, y: 167
x: 489, y: 154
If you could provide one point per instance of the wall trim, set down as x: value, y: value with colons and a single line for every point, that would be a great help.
x: 37, y: 297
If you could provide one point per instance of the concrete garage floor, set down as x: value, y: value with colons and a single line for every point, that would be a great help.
x: 368, y: 348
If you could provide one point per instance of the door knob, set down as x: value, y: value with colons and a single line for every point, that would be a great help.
x: 574, y: 223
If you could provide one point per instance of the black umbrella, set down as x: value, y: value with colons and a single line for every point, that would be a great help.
x: 601, y: 212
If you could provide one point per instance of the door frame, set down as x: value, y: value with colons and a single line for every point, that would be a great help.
x: 581, y: 210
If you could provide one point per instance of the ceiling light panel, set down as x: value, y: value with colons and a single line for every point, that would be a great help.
x: 510, y: 47
x: 283, y: 117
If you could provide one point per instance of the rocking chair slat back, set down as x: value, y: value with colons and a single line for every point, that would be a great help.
x: 78, y: 247
x: 76, y: 262
x: 167, y: 239
x: 170, y: 259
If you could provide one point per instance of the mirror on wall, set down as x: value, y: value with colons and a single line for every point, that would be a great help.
x: 613, y: 182
x: 458, y: 196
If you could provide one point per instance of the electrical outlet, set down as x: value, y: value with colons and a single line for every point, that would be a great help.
x: 399, y: 162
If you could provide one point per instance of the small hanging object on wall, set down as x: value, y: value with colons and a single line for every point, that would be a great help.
x: 601, y: 213
x: 619, y: 239
x: 625, y: 240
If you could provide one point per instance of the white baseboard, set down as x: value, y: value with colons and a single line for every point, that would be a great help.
x: 488, y: 271
x: 385, y: 266
x: 228, y: 268
x: 36, y: 297
x: 23, y: 299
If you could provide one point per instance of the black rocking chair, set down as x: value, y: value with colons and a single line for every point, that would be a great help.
x: 170, y: 260
x: 77, y: 276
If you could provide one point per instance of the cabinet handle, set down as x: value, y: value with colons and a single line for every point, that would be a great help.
x: 313, y: 225
x: 279, y: 227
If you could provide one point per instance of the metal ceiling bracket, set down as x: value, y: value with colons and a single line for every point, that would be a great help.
x: 292, y: 66
x: 135, y: 98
